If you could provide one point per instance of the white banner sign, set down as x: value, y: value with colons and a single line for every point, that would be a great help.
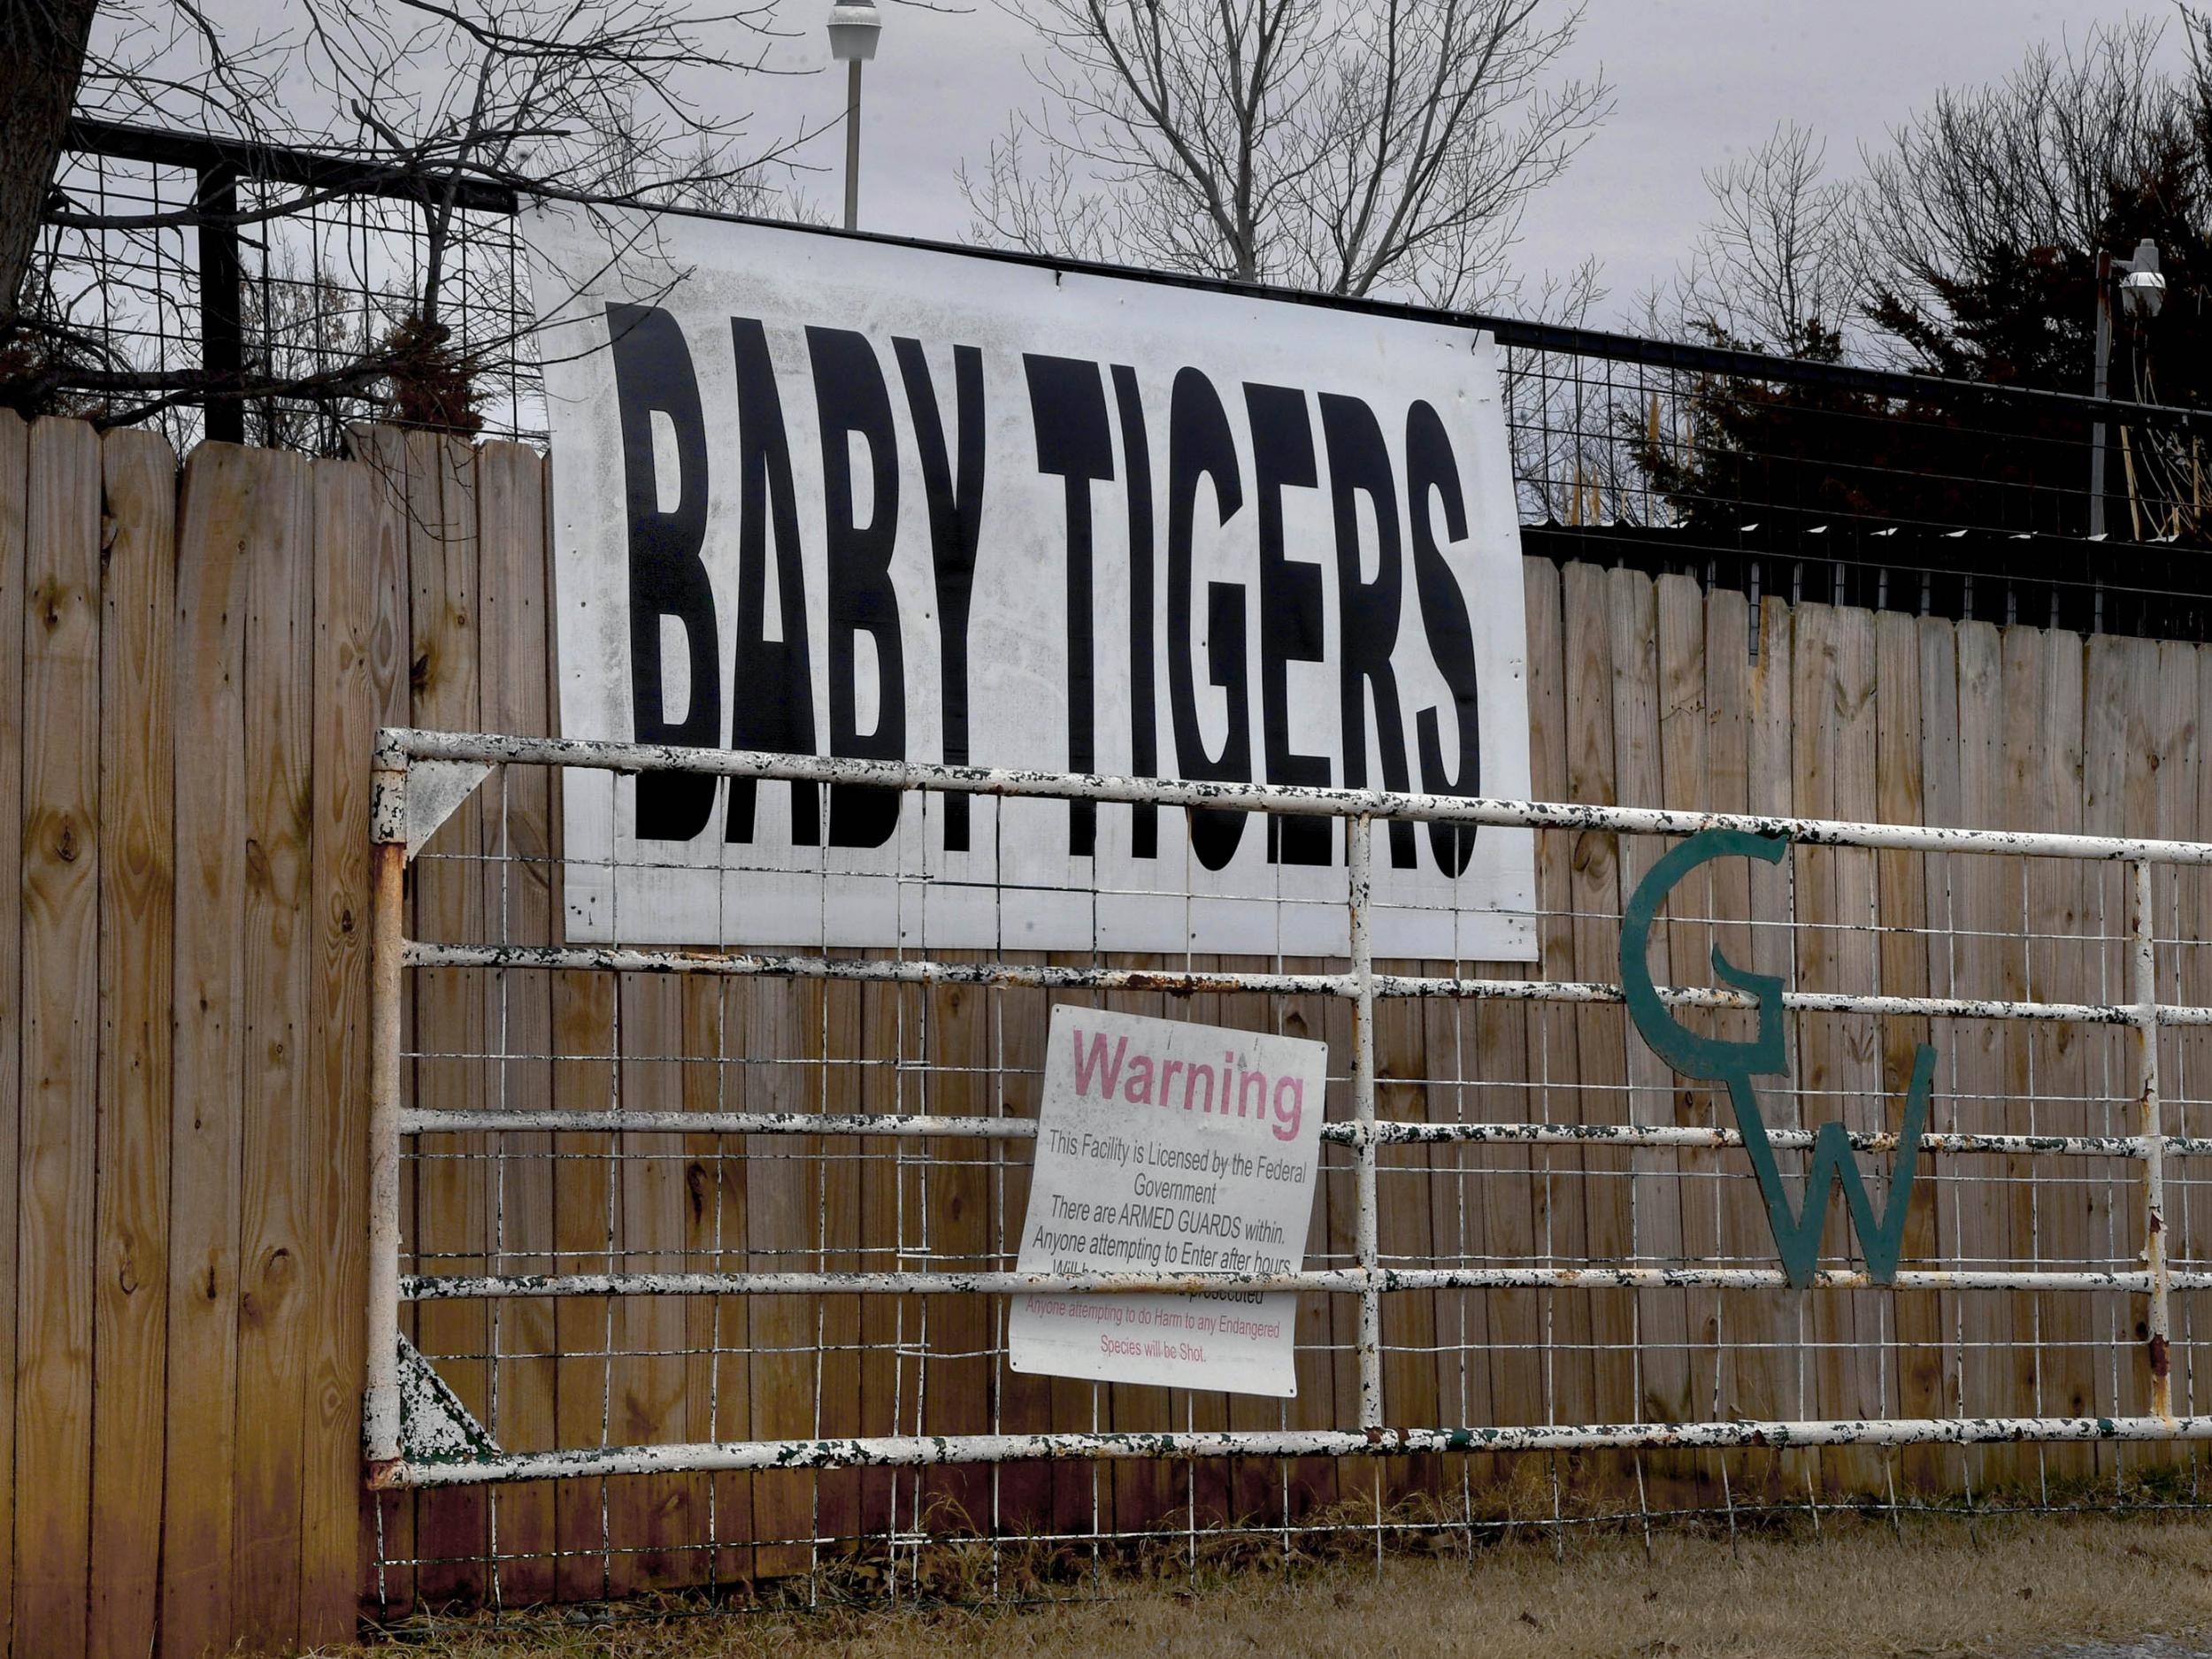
x: 1169, y: 1148
x: 823, y: 495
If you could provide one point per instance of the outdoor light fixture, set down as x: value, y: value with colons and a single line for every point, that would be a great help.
x: 2142, y: 292
x: 855, y: 27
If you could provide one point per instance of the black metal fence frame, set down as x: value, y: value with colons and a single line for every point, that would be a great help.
x: 1972, y: 570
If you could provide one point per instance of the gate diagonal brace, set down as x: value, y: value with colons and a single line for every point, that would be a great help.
x: 434, y: 788
x: 434, y: 1427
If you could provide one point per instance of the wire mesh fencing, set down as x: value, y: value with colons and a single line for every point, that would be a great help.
x: 231, y: 290
x: 704, y: 1258
x: 1843, y: 485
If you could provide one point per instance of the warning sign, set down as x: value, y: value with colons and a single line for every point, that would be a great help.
x: 1169, y: 1148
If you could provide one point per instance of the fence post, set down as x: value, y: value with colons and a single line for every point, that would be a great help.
x: 222, y: 305
x: 1361, y: 859
x: 2151, y: 1126
x: 388, y: 853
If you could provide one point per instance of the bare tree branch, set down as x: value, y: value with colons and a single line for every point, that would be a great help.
x: 2029, y: 162
x: 623, y: 100
x: 1778, y: 267
x: 1346, y: 147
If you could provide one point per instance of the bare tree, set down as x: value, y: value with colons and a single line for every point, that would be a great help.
x: 2029, y: 162
x: 1776, y: 268
x: 584, y: 92
x: 436, y: 99
x: 1332, y: 145
x: 44, y: 45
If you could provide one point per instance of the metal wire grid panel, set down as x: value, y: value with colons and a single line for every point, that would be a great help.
x: 276, y: 268
x: 1763, y: 474
x: 721, y: 1243
x: 1889, y: 491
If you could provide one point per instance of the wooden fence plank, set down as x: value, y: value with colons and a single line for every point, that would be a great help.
x: 275, y: 1234
x: 1858, y: 1039
x: 650, y: 1516
x: 582, y: 1012
x: 1022, y: 1494
x: 1941, y: 804
x: 1901, y: 968
x: 949, y: 1206
x: 1601, y: 1034
x: 2069, y: 970
x: 344, y: 698
x: 779, y: 1225
x: 130, y: 1335
x: 1497, y: 1196
x: 1767, y: 1375
x: 2170, y: 759
x: 2120, y: 797
x: 1405, y: 1234
x: 386, y: 1521
x: 2045, y: 771
x: 1817, y: 1054
x: 1460, y: 1191
x: 584, y: 1218
x: 2023, y: 801
x: 1726, y: 663
x: 15, y: 439
x: 1557, y: 1216
x: 2188, y: 970
x: 513, y: 688
x: 1981, y: 909
x: 215, y: 516
x: 1684, y: 781
x: 836, y: 1089
x: 1662, y: 1381
x: 883, y: 1316
x: 60, y: 1011
x: 717, y: 1401
x: 452, y: 1193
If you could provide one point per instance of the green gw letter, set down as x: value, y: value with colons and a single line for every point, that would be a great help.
x: 1796, y: 1236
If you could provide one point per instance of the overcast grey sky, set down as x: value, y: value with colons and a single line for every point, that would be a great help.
x: 1697, y: 80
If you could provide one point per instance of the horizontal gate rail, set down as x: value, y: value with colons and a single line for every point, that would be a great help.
x: 567, y: 958
x: 395, y: 747
x: 1351, y: 1280
x: 416, y: 1121
x: 926, y: 1451
x: 2142, y: 1014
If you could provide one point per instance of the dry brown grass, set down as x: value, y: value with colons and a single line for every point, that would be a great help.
x: 2010, y: 1587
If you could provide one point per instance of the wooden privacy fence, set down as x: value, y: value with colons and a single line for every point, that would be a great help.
x: 186, y: 717
x: 189, y: 673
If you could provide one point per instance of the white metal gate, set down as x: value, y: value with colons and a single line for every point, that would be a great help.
x: 418, y: 1434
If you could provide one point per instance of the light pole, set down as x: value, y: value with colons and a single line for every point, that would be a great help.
x: 2142, y: 291
x: 854, y: 27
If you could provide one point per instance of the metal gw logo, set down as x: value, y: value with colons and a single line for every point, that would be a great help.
x: 1797, y: 1233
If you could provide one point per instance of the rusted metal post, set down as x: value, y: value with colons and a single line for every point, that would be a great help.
x: 388, y: 865
x: 1361, y: 837
x: 2150, y: 1125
